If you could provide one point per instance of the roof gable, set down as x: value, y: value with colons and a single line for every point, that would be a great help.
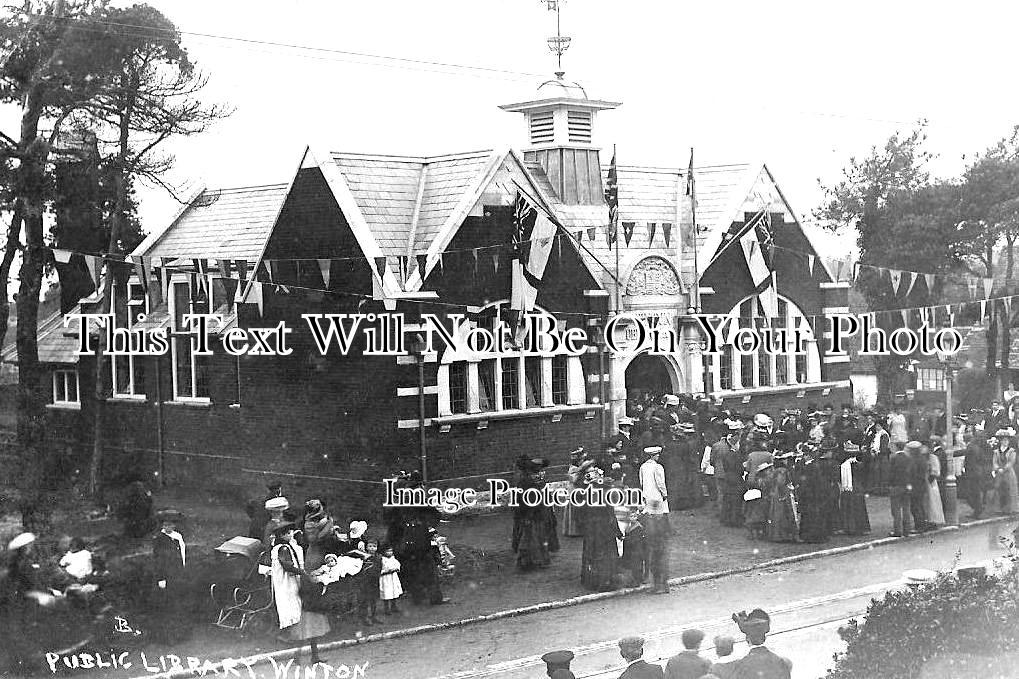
x: 220, y: 223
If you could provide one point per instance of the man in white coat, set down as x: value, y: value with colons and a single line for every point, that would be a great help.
x: 656, y: 517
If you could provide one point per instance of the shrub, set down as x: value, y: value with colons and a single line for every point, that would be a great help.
x: 907, y: 628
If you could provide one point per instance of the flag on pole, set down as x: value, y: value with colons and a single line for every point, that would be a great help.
x: 687, y: 236
x: 612, y: 199
x: 528, y: 265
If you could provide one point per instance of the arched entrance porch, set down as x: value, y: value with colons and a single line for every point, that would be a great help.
x: 650, y: 376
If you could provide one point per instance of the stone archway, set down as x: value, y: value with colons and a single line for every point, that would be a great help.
x: 659, y: 374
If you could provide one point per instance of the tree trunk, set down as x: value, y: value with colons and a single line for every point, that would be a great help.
x: 1006, y: 317
x: 10, y: 252
x: 31, y: 426
x: 103, y: 376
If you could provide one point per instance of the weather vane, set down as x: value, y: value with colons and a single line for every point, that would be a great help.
x: 559, y: 43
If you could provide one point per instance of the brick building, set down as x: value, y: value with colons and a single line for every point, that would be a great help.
x: 370, y: 233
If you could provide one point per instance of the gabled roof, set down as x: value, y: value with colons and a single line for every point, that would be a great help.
x: 57, y: 344
x: 220, y: 223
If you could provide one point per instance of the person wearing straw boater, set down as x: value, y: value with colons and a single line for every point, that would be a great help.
x: 656, y: 517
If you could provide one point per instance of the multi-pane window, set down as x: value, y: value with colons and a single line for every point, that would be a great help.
x: 458, y: 387
x: 708, y: 375
x: 560, y: 380
x: 65, y: 387
x: 510, y: 382
x: 771, y: 365
x: 930, y: 379
x: 190, y: 372
x: 725, y: 368
x: 486, y: 384
x: 532, y: 381
x: 129, y: 302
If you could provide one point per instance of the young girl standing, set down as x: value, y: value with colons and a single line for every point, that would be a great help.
x: 389, y: 581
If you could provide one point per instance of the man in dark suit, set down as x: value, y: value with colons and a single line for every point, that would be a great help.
x: 632, y: 650
x: 900, y: 485
x: 759, y: 662
x: 169, y: 563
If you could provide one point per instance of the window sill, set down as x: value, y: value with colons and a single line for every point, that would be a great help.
x: 788, y: 388
x: 191, y: 402
x: 137, y: 399
x: 64, y: 406
x: 515, y: 414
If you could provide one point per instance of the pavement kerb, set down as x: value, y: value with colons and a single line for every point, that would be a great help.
x: 285, y: 653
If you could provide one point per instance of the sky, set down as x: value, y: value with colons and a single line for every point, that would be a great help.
x: 802, y: 86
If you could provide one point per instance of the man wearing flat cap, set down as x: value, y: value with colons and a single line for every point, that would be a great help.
x: 759, y: 662
x: 557, y: 660
x: 632, y: 650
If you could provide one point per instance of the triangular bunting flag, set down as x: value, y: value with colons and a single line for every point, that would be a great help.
x: 201, y: 269
x: 225, y: 267
x: 580, y: 236
x: 929, y: 279
x: 651, y: 227
x: 1008, y: 305
x: 905, y: 317
x: 323, y: 266
x: 983, y: 309
x: 139, y: 272
x: 164, y: 279
x: 810, y: 264
x: 667, y: 232
x: 422, y: 262
x: 403, y: 267
x: 988, y: 286
x: 241, y: 265
x: 474, y: 256
x: 94, y: 265
x: 838, y: 270
x: 912, y: 282
x: 559, y: 246
x: 591, y: 233
x: 62, y: 256
x: 255, y: 295
x: 380, y: 266
x: 495, y: 262
x: 230, y: 285
x: 442, y: 266
x: 627, y: 232
x: 896, y: 277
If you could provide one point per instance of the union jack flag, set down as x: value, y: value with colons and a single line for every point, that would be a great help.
x: 612, y: 197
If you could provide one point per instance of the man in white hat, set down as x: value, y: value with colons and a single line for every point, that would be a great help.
x: 656, y: 510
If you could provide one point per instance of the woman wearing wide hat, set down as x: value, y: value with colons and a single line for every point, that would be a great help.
x: 575, y: 475
x: 600, y: 556
x: 1005, y: 486
x: 535, y: 533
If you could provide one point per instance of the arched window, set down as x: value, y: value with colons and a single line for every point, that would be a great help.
x: 775, y: 366
x: 490, y: 381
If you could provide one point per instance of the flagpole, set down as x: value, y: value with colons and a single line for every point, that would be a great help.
x: 614, y: 216
x: 696, y: 297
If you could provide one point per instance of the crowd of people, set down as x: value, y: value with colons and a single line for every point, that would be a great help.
x: 759, y: 662
x: 802, y: 476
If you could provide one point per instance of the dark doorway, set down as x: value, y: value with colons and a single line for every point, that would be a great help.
x: 648, y: 374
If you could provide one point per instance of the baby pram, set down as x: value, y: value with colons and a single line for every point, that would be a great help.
x: 242, y: 591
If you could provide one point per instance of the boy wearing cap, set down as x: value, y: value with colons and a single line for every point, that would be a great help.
x: 632, y: 650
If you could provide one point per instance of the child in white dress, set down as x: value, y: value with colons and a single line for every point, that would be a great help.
x: 390, y: 588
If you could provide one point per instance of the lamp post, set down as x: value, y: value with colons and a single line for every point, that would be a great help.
x: 951, y: 489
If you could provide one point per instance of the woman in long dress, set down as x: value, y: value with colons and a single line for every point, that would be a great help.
x: 933, y: 506
x: 852, y: 500
x: 783, y: 516
x: 535, y: 534
x: 571, y: 521
x: 1005, y: 486
x: 599, y: 562
x: 296, y: 623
